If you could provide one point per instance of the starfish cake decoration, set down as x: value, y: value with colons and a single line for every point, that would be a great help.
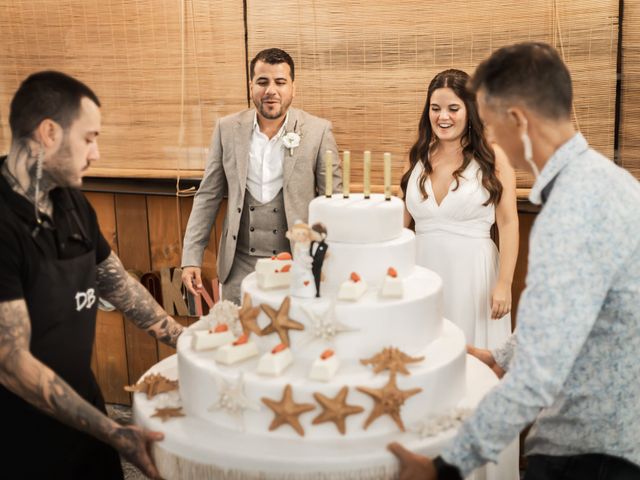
x: 153, y: 384
x: 391, y: 359
x: 325, y: 325
x: 232, y: 399
x: 280, y: 321
x: 336, y: 409
x: 165, y: 414
x: 388, y: 401
x: 248, y: 316
x: 287, y: 411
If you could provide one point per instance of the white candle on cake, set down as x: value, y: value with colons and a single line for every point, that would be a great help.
x: 387, y: 176
x: 346, y: 173
x: 328, y: 173
x: 367, y: 173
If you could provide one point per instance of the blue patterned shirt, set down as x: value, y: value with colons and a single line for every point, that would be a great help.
x: 573, y: 364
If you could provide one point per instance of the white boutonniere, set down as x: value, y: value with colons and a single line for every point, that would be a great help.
x: 291, y: 140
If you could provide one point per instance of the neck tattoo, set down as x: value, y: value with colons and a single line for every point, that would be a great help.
x: 43, y: 204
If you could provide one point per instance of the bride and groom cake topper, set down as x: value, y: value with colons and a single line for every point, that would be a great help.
x: 309, y: 252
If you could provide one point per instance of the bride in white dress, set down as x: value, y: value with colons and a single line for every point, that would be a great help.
x: 456, y: 187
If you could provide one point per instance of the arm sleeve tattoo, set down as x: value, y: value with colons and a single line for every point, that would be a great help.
x: 135, y: 302
x: 34, y: 382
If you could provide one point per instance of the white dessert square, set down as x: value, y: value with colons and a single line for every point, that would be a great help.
x: 351, y: 290
x: 323, y: 370
x: 392, y: 287
x: 274, y: 363
x: 229, y: 354
x: 205, y: 339
x: 269, y: 273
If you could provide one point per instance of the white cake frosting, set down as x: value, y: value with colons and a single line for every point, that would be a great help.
x: 440, y: 375
x: 366, y: 237
x: 357, y: 219
x: 409, y: 323
x: 195, y: 450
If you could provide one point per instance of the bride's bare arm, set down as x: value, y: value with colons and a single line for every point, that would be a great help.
x: 507, y: 221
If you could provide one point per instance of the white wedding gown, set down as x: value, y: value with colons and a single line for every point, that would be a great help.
x: 453, y: 240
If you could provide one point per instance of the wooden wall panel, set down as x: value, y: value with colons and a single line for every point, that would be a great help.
x: 133, y: 242
x: 110, y: 347
x: 146, y: 232
x: 526, y: 223
x: 165, y: 240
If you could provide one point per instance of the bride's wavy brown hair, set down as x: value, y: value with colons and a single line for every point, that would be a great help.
x: 473, y: 140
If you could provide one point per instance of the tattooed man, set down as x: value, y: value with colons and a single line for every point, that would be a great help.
x: 54, y: 264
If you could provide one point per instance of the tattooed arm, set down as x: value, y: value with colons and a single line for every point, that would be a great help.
x: 132, y: 299
x: 34, y: 382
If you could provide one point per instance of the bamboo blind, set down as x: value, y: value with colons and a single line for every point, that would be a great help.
x: 630, y: 112
x: 366, y: 65
x: 130, y: 54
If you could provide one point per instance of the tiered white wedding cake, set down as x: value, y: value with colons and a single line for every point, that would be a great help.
x: 317, y: 387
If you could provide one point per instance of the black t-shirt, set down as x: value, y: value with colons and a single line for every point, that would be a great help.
x: 73, y: 231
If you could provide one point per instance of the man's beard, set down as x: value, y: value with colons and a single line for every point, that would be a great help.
x: 270, y: 115
x: 61, y: 169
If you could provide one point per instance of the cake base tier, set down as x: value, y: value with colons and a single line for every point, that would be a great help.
x: 193, y: 449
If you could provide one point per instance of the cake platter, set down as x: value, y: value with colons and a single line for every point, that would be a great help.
x: 193, y: 449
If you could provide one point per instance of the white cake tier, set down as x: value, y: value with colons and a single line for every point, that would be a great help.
x: 358, y: 220
x: 375, y: 322
x: 370, y: 261
x: 196, y: 450
x: 440, y: 376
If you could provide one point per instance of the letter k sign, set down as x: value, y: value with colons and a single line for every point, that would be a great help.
x: 85, y: 299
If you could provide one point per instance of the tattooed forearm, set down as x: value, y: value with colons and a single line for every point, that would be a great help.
x: 132, y: 299
x: 15, y: 332
x: 30, y: 379
x: 167, y: 331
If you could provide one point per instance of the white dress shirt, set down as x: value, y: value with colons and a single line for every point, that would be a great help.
x: 266, y: 157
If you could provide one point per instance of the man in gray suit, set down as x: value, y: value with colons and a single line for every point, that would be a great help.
x: 268, y: 161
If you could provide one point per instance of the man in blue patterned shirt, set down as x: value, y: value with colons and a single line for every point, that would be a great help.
x: 572, y: 367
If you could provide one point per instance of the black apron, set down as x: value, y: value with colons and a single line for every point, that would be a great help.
x: 62, y: 305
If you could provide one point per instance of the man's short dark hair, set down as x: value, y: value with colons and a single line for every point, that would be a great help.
x: 272, y: 56
x: 43, y: 95
x: 530, y: 72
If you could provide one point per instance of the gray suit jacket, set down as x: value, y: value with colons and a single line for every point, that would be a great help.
x: 226, y: 174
